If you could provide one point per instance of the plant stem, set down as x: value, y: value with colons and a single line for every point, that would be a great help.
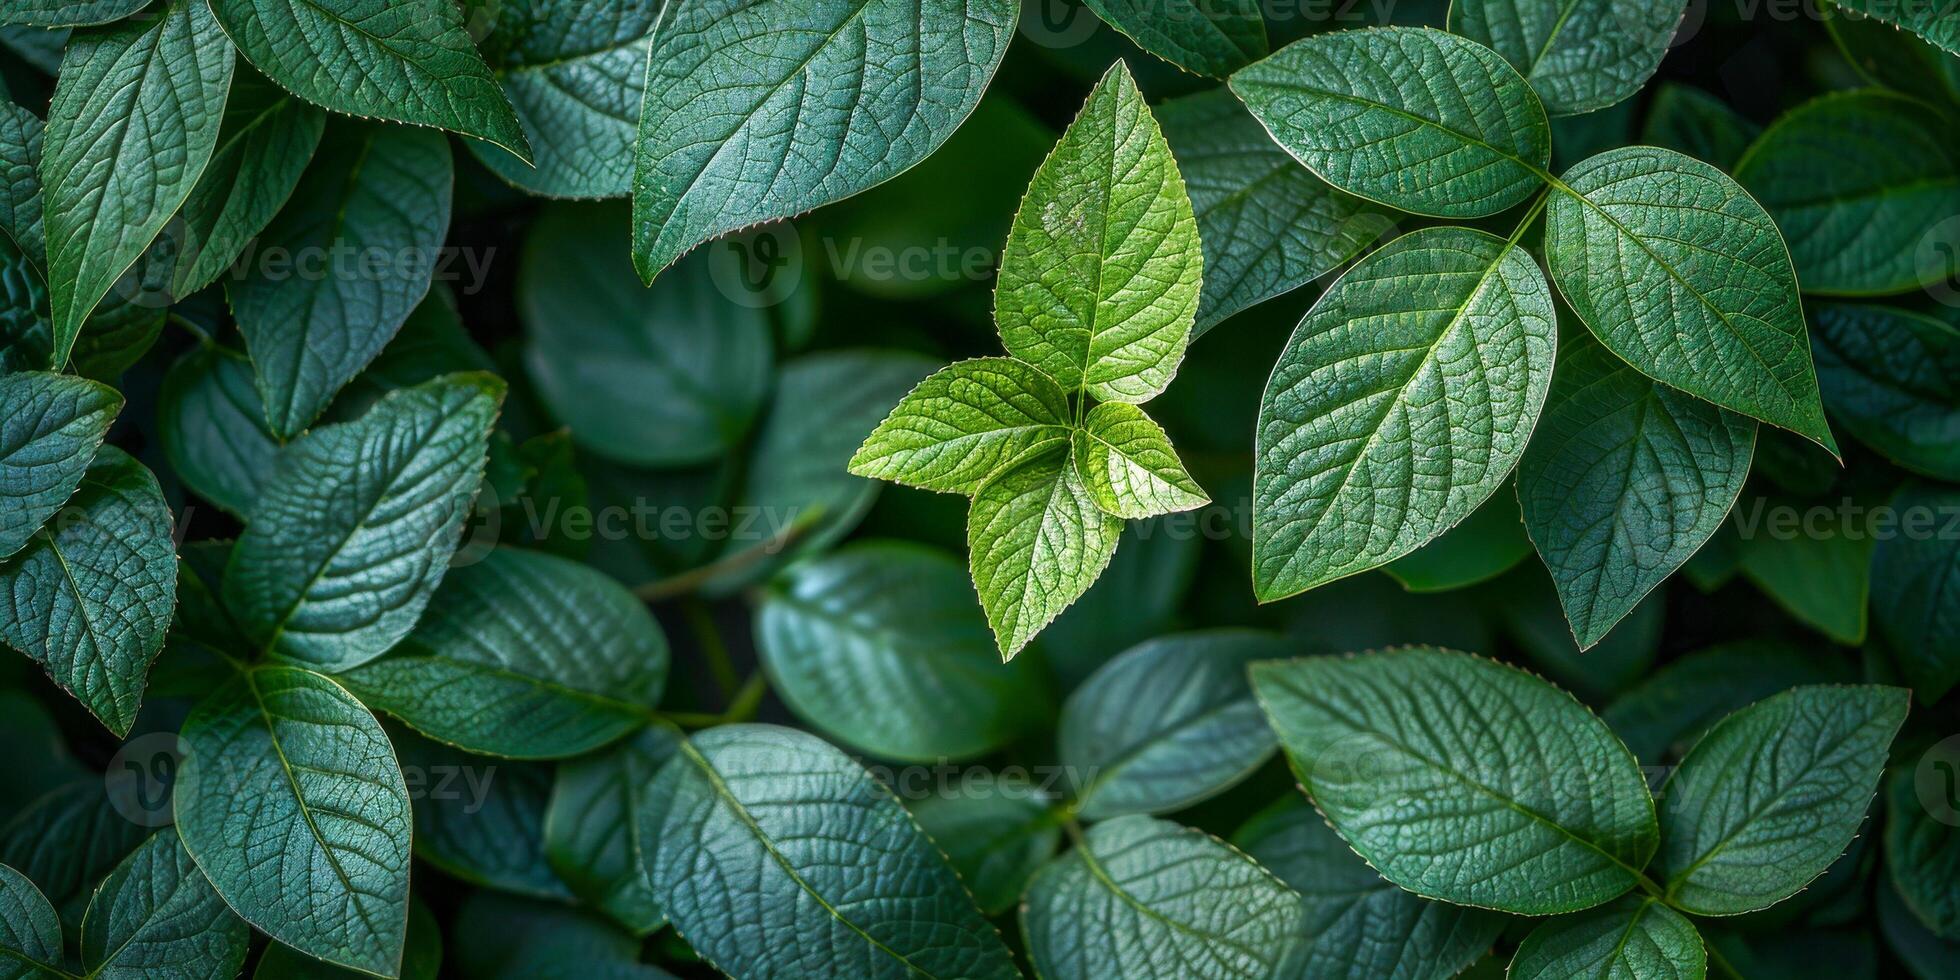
x: 687, y: 582
x: 702, y: 623
x: 1717, y: 960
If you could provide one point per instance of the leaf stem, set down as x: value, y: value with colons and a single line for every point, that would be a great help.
x: 702, y: 623
x: 688, y: 582
x: 1537, y: 208
x: 203, y: 336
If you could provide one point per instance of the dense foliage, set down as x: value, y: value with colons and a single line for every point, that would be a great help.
x: 385, y: 384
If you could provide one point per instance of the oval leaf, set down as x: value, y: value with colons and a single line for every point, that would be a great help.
x: 1637, y: 938
x: 50, y: 428
x: 264, y: 145
x: 1915, y: 589
x: 1578, y: 56
x: 593, y: 834
x: 211, y: 422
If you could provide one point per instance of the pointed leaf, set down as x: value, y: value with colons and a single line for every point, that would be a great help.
x: 1127, y: 464
x: 593, y: 833
x: 1891, y: 378
x: 91, y: 596
x: 1490, y: 542
x: 1662, y: 717
x: 70, y: 838
x: 50, y: 427
x: 30, y: 935
x: 1214, y: 39
x: 1772, y: 795
x: 266, y: 140
x: 965, y: 423
x: 769, y: 831
x: 1529, y: 804
x: 1148, y: 899
x: 1442, y: 338
x: 136, y: 112
x: 355, y: 526
x: 1634, y: 938
x: 1938, y: 21
x: 313, y: 324
x: 405, y: 60
x: 1577, y: 56
x: 212, y: 426
x: 525, y: 655
x: 1099, y: 284
x: 1676, y: 269
x: 735, y: 88
x: 1625, y: 481
x: 156, y: 916
x: 1411, y: 117
x: 290, y: 799
x: 21, y: 138
x: 1036, y: 542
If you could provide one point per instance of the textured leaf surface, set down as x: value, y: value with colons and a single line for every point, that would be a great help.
x: 1145, y: 899
x: 1857, y: 181
x: 1624, y: 482
x: 574, y: 74
x: 1663, y: 716
x: 70, y: 838
x: 1268, y: 225
x: 1772, y: 795
x: 1529, y: 804
x: 1577, y: 56
x: 313, y: 325
x: 156, y: 916
x: 1676, y: 269
x: 290, y: 799
x: 22, y: 136
x: 860, y: 89
x: 1915, y: 588
x: 1358, y: 926
x: 67, y: 13
x: 996, y: 841
x: 338, y: 560
x: 264, y: 144
x: 30, y: 935
x: 136, y: 112
x: 213, y: 429
x: 50, y: 427
x: 965, y: 423
x: 91, y: 596
x: 1212, y: 39
x: 881, y: 646
x: 406, y: 60
x: 1938, y: 21
x: 1168, y: 723
x: 524, y: 655
x: 1633, y: 938
x: 1415, y: 118
x: 768, y: 831
x: 1128, y: 465
x: 1036, y: 541
x: 1690, y: 121
x: 671, y: 376
x: 1442, y: 338
x: 593, y: 834
x: 1099, y: 284
x: 1891, y: 377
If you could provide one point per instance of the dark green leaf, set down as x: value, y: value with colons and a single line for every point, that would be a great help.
x: 1577, y: 56
x: 1691, y: 121
x: 996, y: 837
x: 1926, y: 955
x: 67, y: 840
x: 156, y: 916
x: 213, y: 428
x: 1209, y: 38
x: 1915, y: 588
x: 1636, y: 938
x: 421, y: 959
x: 502, y: 938
x: 1664, y: 715
x: 264, y: 145
x: 1922, y: 837
x: 1938, y: 21
x: 30, y: 935
x: 479, y: 819
x: 50, y: 427
x: 593, y: 833
x: 21, y: 137
x: 1487, y: 544
x: 1892, y: 379
x: 1817, y: 564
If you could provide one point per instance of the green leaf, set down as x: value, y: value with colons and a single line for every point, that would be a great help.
x: 408, y: 61
x: 1137, y: 598
x: 479, y: 819
x: 1635, y: 938
x: 870, y: 87
x: 502, y: 938
x: 1268, y: 225
x: 1414, y: 118
x: 524, y: 655
x: 21, y: 138
x: 1935, y: 21
x: 354, y: 528
x: 1577, y: 56
x: 1922, y: 840
x: 1857, y: 181
x: 575, y: 75
x: 91, y: 596
x: 1925, y: 954
x: 1915, y: 589
x: 30, y: 935
x: 1128, y: 466
x: 965, y: 423
x: 1167, y: 724
x: 421, y: 959
x: 662, y: 378
x: 290, y: 799
x: 1661, y: 717
x: 311, y: 324
x: 1358, y: 926
x: 1145, y: 899
x: 996, y: 839
x: 136, y: 112
x: 1531, y: 805
x: 1099, y: 284
x: 768, y: 831
x: 266, y: 140
x: 1891, y: 378
x: 1487, y: 544
x: 1817, y: 565
x: 593, y: 833
x: 1036, y: 541
x: 1772, y: 795
x: 1208, y: 38
x: 156, y: 916
x: 50, y: 427
x: 1690, y: 121
x: 431, y: 343
x: 67, y: 13
x: 1444, y: 336
x: 1676, y: 269
x: 1625, y: 481
x: 71, y: 837
x: 1893, y: 58
x: 1528, y: 608
x: 212, y: 426
x: 881, y: 646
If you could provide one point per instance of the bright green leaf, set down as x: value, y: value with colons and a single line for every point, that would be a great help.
x: 1036, y: 541
x: 1128, y: 466
x: 965, y: 423
x: 1578, y: 56
x: 1099, y: 284
x: 50, y: 427
x: 1631, y: 939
